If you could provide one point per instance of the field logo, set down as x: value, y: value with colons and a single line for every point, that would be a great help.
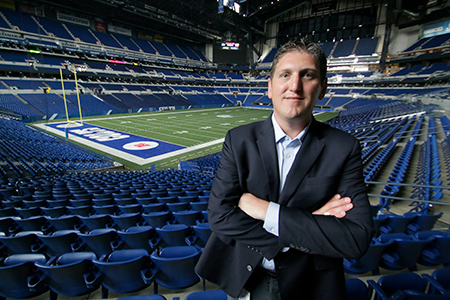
x: 145, y: 145
x: 125, y: 145
x: 100, y: 134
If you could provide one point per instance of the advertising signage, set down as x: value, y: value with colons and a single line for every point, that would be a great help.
x: 436, y: 29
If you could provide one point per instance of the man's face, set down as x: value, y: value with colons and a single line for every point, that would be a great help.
x: 296, y: 86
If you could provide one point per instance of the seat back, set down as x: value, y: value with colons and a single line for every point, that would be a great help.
x: 437, y: 252
x: 409, y: 251
x: 369, y: 262
x: 188, y: 217
x: 59, y: 242
x: 17, y: 272
x: 96, y: 221
x: 20, y: 244
x: 173, y: 234
x: 423, y: 222
x: 443, y: 277
x: 100, y: 240
x: 176, y: 267
x: 397, y: 224
x: 123, y: 271
x: 202, y: 231
x: 356, y: 289
x: 154, y: 207
x: 66, y: 222
x: 137, y: 237
x: 157, y: 219
x: 126, y: 220
x: 73, y: 275
x: 402, y: 281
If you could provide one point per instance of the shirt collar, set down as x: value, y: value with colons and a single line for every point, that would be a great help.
x: 279, y: 133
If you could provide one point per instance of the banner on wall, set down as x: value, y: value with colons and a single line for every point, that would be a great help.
x: 72, y: 19
x: 100, y: 26
x: 144, y: 36
x: 436, y: 29
x: 119, y: 30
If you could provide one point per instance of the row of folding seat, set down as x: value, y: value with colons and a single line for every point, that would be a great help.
x: 155, y: 215
x: 399, y: 251
x: 81, y: 273
x: 105, y: 182
x: 377, y: 164
x: 409, y: 285
x: 38, y: 193
x: 445, y: 145
x: 409, y: 223
x: 445, y: 122
x: 428, y: 172
x: 380, y: 137
x: 397, y: 175
x: 103, y: 241
x: 401, y: 166
x: 128, y: 271
x: 57, y: 208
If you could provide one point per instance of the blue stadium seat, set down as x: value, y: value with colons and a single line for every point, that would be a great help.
x: 125, y: 271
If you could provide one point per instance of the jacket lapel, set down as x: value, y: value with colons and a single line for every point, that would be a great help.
x: 268, y: 152
x: 305, y: 159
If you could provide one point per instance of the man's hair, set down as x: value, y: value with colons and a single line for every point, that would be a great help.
x: 302, y: 45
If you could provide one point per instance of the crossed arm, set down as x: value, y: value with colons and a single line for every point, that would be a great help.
x: 257, y: 208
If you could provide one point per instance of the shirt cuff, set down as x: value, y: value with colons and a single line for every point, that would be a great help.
x: 271, y: 219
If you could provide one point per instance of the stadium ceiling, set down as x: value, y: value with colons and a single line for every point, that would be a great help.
x: 194, y: 21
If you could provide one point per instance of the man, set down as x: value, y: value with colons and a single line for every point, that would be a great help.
x: 289, y: 201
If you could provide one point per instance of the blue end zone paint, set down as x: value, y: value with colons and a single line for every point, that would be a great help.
x: 132, y: 144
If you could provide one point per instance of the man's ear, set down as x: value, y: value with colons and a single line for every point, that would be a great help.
x: 324, y: 86
x: 269, y: 89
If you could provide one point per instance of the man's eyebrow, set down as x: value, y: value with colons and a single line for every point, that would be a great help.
x: 289, y: 69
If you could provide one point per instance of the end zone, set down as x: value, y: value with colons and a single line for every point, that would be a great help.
x: 136, y: 149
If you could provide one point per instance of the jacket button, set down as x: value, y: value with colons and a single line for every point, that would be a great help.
x: 249, y: 268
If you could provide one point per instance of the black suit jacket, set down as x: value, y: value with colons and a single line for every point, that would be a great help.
x: 328, y: 163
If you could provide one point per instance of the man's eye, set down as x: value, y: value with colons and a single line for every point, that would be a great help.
x: 309, y: 75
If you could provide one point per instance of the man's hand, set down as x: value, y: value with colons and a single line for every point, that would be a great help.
x: 253, y: 206
x: 336, y: 206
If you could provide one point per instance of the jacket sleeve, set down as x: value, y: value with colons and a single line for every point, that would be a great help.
x: 226, y: 219
x: 348, y: 237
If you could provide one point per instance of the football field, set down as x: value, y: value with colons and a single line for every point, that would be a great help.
x: 162, y: 138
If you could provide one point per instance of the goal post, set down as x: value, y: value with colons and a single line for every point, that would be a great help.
x: 80, y: 120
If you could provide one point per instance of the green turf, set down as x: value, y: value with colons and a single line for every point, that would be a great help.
x: 184, y: 127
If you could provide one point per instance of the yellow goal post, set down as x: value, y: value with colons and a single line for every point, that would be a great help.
x: 70, y: 122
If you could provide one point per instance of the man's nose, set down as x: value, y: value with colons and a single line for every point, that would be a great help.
x: 296, y: 83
